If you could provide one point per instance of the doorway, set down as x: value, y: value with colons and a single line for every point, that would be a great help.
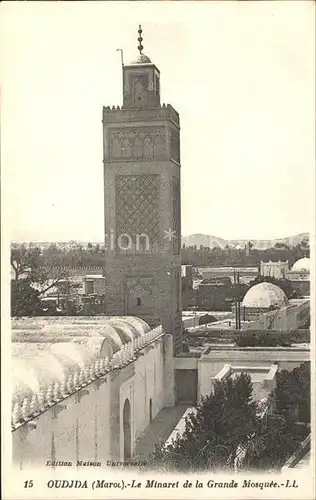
x: 127, y: 430
x: 186, y: 386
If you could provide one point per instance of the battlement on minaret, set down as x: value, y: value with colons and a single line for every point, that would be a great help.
x: 117, y: 114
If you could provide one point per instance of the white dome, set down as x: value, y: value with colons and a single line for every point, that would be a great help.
x: 265, y: 295
x: 142, y: 59
x: 302, y: 265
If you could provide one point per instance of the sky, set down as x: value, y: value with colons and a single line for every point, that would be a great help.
x: 240, y: 74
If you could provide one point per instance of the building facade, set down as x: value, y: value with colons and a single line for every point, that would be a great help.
x: 142, y: 202
x: 246, y: 274
x: 186, y: 287
x: 277, y: 270
x: 93, y: 283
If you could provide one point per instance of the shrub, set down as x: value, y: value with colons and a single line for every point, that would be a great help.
x: 206, y: 318
x: 263, y: 338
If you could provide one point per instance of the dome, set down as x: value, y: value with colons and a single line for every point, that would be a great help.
x: 142, y: 59
x: 122, y: 329
x: 34, y: 368
x: 140, y: 325
x: 265, y: 295
x: 302, y: 265
x: 46, y: 350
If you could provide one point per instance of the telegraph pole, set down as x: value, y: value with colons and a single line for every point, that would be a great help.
x: 235, y: 301
x: 238, y: 302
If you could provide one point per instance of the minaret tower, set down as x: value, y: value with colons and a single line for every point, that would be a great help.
x: 142, y: 201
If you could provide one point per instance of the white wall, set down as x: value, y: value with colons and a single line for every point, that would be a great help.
x: 79, y: 431
x: 286, y: 318
x: 90, y: 426
x: 149, y: 384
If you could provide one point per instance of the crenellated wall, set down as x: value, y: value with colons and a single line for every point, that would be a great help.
x: 82, y: 419
x: 120, y: 114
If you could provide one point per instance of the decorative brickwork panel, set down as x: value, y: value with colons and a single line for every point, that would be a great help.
x: 137, y: 143
x: 139, y: 296
x: 140, y: 285
x: 175, y: 144
x: 139, y: 79
x: 137, y: 207
x: 138, y: 88
x: 176, y: 215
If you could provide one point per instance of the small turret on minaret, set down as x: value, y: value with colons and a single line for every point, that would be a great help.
x: 141, y: 80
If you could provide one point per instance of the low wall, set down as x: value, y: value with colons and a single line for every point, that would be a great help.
x: 291, y: 317
x: 287, y: 358
x: 263, y: 378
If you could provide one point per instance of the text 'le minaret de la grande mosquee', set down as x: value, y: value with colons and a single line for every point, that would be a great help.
x: 142, y: 202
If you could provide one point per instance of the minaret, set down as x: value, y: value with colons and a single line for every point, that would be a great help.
x: 142, y: 201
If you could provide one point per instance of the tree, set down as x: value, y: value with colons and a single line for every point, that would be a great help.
x: 281, y: 245
x: 32, y: 279
x: 224, y: 419
x: 305, y: 243
x: 93, y: 305
x: 292, y: 394
x: 272, y: 446
x: 25, y: 260
x: 249, y: 256
x: 227, y: 424
x: 282, y: 437
x: 24, y: 299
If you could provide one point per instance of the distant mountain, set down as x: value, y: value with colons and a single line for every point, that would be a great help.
x: 206, y: 240
x: 214, y: 241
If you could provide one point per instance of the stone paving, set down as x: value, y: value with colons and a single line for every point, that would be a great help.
x: 158, y: 430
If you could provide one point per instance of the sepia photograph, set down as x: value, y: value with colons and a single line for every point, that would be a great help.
x: 158, y: 238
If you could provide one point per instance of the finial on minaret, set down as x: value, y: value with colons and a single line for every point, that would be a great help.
x: 140, y: 39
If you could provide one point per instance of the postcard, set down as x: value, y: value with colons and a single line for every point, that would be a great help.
x: 158, y: 249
